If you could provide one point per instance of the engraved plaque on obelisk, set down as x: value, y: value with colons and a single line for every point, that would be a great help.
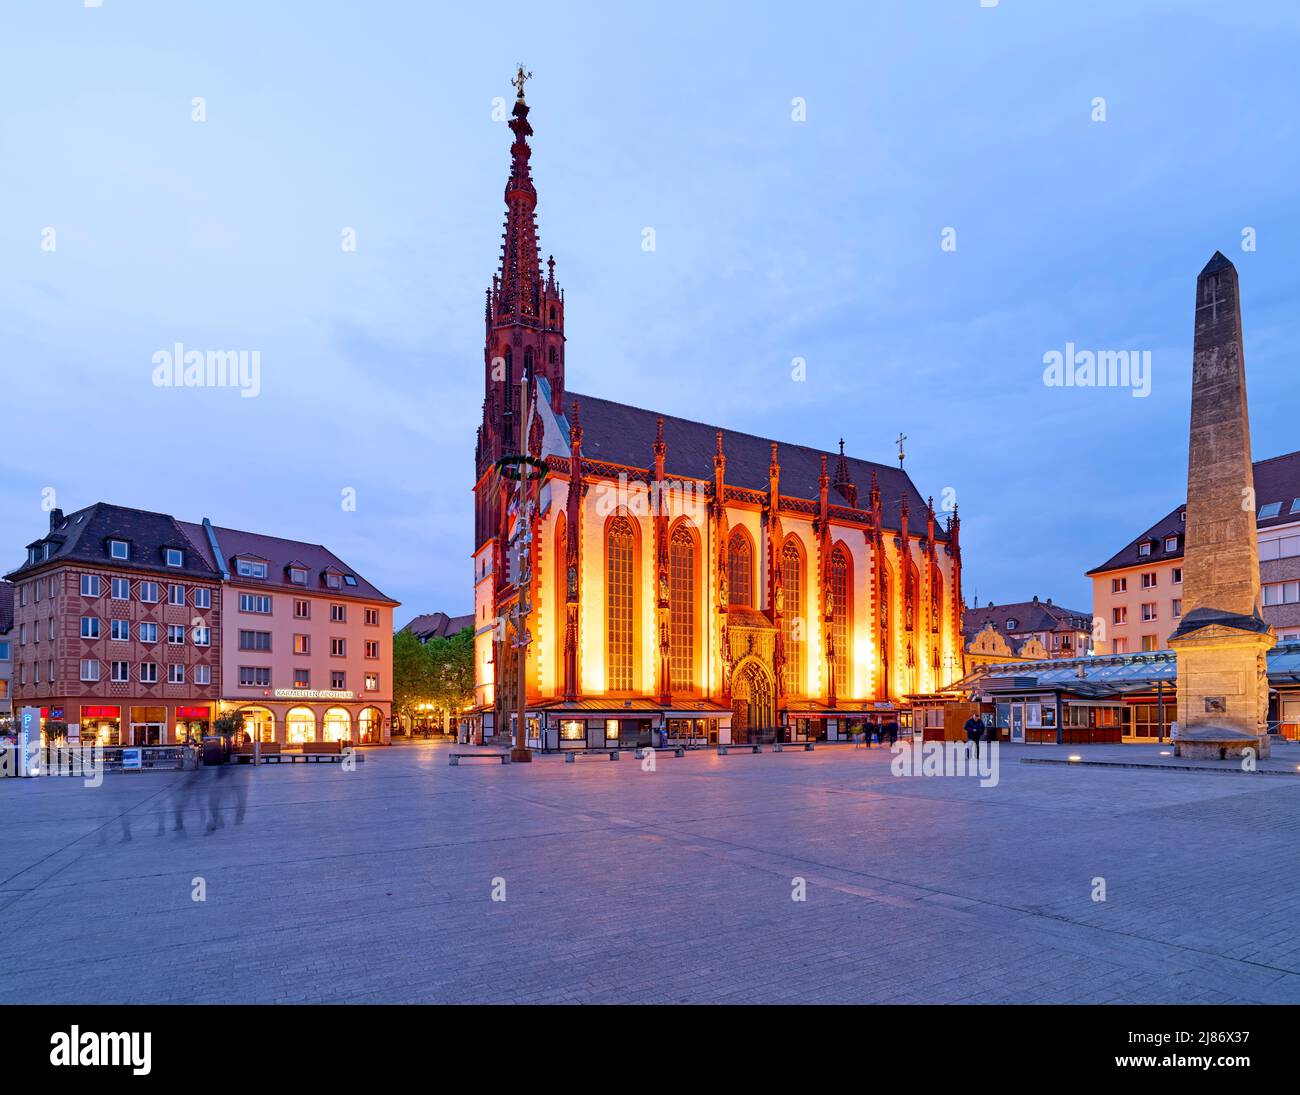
x: 1221, y: 640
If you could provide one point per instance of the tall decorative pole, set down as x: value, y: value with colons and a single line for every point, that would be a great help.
x: 572, y: 561
x: 721, y: 531
x: 659, y: 513
x: 776, y: 598
x: 826, y: 592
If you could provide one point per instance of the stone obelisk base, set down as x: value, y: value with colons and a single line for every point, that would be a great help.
x: 1222, y: 692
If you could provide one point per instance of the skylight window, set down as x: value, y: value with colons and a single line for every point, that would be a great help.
x: 1269, y: 509
x: 351, y: 579
x: 1295, y: 505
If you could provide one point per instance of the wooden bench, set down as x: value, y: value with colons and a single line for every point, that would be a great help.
x: 781, y: 746
x: 723, y: 750
x: 644, y: 750
x: 571, y: 755
x: 270, y: 752
x: 454, y: 757
x: 322, y: 750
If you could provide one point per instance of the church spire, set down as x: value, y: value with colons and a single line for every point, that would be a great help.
x: 525, y: 308
x: 520, y: 277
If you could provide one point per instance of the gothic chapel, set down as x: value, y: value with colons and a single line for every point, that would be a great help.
x: 647, y: 574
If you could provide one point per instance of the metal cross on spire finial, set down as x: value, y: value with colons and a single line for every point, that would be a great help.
x: 901, y: 438
x: 521, y: 77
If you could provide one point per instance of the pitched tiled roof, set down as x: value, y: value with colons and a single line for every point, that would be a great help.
x: 83, y: 536
x: 1276, y: 480
x: 279, y: 553
x: 438, y: 625
x: 1029, y: 616
x: 620, y: 434
x: 6, y: 607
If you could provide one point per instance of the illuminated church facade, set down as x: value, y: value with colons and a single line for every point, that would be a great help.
x: 640, y: 572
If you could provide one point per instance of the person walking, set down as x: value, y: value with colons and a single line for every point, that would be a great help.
x: 974, y: 732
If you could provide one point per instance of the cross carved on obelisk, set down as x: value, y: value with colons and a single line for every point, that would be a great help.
x: 1214, y: 300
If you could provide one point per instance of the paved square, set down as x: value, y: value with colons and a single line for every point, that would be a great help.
x: 625, y: 885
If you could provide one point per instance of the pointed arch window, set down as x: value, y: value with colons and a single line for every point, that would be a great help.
x: 561, y: 593
x: 681, y: 623
x: 840, y: 608
x: 792, y: 617
x: 740, y: 570
x: 620, y: 543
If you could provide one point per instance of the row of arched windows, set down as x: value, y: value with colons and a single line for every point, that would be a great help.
x: 621, y: 571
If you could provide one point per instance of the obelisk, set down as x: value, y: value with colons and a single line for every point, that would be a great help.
x: 1222, y: 640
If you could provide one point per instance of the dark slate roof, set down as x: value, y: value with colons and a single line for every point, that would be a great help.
x: 6, y: 607
x: 1276, y: 480
x: 438, y: 625
x: 1032, y: 615
x: 620, y: 434
x: 83, y: 537
x: 278, y: 554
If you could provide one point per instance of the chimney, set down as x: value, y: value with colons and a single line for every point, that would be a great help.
x: 56, y: 518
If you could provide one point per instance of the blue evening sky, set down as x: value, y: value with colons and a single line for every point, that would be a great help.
x: 775, y: 239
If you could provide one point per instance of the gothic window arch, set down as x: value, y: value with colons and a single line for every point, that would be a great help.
x: 794, y: 622
x: 561, y: 596
x: 740, y: 569
x: 682, y: 608
x: 620, y: 604
x: 553, y: 355
x: 841, y: 610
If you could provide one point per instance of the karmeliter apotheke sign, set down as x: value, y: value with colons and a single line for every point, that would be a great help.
x: 312, y: 694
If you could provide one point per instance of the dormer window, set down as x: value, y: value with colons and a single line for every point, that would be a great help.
x: 250, y: 568
x: 1182, y: 516
x: 49, y: 549
x: 298, y: 576
x: 1144, y: 548
x: 1011, y: 624
x: 33, y: 555
x: 333, y: 581
x: 119, y: 549
x: 175, y: 557
x: 1171, y: 543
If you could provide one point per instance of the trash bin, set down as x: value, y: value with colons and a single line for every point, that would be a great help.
x: 214, y: 751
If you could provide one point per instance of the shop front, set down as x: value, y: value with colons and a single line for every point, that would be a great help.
x: 191, y: 724
x: 293, y: 724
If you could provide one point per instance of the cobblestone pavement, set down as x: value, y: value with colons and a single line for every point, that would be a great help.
x: 663, y: 886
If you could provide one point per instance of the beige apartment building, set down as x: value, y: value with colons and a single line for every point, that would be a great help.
x: 1137, y: 593
x: 307, y: 653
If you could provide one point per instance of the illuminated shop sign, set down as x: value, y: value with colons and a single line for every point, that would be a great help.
x: 313, y: 694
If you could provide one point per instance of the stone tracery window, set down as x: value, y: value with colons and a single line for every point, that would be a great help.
x: 793, y: 623
x: 740, y: 570
x: 840, y: 607
x: 620, y: 543
x: 681, y: 577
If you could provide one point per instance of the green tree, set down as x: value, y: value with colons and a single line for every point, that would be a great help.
x: 412, y: 675
x: 453, y: 672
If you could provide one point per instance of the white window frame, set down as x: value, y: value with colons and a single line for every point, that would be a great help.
x: 113, y: 545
